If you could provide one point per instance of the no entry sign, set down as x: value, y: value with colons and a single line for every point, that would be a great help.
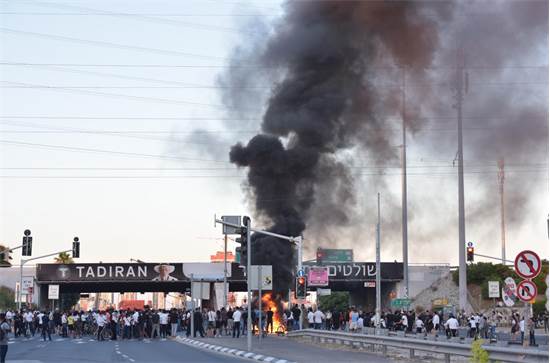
x: 527, y: 264
x: 527, y: 290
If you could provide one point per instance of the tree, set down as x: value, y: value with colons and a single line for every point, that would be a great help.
x: 7, y: 298
x: 338, y: 301
x: 63, y: 258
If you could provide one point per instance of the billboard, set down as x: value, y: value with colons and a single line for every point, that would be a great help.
x: 317, y: 276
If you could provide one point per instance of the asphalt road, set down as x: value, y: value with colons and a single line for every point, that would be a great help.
x: 88, y: 350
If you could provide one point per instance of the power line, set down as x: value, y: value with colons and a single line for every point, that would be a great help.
x: 127, y: 65
x: 102, y: 151
x: 109, y: 44
x: 131, y: 97
x: 228, y: 176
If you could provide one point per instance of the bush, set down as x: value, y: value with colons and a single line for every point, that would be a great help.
x: 479, y: 355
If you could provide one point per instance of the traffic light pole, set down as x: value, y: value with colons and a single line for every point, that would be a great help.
x: 297, y: 240
x: 248, y: 285
x: 21, y: 272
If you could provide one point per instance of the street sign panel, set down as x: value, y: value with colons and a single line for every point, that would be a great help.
x: 53, y: 292
x: 300, y: 273
x: 527, y: 264
x: 527, y: 290
x: 233, y: 220
x: 200, y: 290
x: 261, y: 276
x: 317, y: 276
x: 337, y: 255
x: 400, y: 303
x: 324, y: 292
x: 494, y: 289
x: 27, y: 285
x: 470, y: 244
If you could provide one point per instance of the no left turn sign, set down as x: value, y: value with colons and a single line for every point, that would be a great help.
x: 527, y: 264
x: 527, y: 290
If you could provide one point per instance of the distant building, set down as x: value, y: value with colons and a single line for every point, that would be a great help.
x: 218, y: 257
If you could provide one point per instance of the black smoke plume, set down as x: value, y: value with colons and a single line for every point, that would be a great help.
x: 323, y: 106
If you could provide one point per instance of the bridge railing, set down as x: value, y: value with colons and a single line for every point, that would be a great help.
x: 426, y: 344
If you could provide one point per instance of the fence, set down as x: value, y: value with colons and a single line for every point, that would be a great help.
x: 443, y: 346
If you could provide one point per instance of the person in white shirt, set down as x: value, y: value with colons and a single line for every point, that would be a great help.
x: 473, y: 327
x: 318, y: 317
x: 404, y: 321
x: 28, y: 317
x: 452, y: 324
x: 522, y: 328
x: 163, y: 319
x: 435, y: 322
x: 127, y: 326
x: 310, y: 318
x: 101, y: 321
x: 360, y: 323
x: 419, y: 325
x: 211, y: 322
x: 237, y: 314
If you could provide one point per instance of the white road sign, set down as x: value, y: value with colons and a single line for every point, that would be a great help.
x: 53, y: 292
x: 27, y: 284
x: 494, y: 289
x: 261, y: 276
x: 527, y: 264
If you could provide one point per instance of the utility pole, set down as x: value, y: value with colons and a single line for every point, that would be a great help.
x: 225, y: 271
x: 462, y: 282
x: 502, y: 223
x: 378, y: 272
x: 404, y: 217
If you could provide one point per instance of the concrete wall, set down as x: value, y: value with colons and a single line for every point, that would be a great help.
x: 422, y: 277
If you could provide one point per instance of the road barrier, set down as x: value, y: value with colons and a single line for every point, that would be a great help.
x: 445, y: 347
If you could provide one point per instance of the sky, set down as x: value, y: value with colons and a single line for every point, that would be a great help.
x: 99, y: 111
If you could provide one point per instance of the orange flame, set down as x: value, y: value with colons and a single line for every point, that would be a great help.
x: 268, y: 303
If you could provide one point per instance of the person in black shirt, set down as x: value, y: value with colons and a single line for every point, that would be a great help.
x: 198, y: 322
x: 296, y: 312
x: 46, y: 326
x: 269, y: 321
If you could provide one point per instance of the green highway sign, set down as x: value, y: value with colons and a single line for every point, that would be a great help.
x: 400, y: 303
x: 335, y: 255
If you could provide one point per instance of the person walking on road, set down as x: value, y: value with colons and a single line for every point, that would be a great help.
x: 46, y: 326
x: 4, y: 330
x: 101, y: 320
x: 237, y: 322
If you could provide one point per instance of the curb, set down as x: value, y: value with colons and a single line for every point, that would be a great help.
x: 231, y: 351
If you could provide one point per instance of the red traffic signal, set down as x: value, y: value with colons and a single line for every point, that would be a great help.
x: 470, y: 254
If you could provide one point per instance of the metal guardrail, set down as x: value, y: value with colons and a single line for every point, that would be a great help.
x: 424, y: 344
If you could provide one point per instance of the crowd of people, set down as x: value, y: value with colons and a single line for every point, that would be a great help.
x: 478, y: 325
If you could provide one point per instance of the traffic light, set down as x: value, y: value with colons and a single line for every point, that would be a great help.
x: 243, y: 241
x: 27, y: 246
x: 301, y: 288
x: 5, y: 257
x: 470, y: 254
x: 76, y: 248
x: 320, y: 256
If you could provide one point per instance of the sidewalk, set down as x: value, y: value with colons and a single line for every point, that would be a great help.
x: 285, y: 348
